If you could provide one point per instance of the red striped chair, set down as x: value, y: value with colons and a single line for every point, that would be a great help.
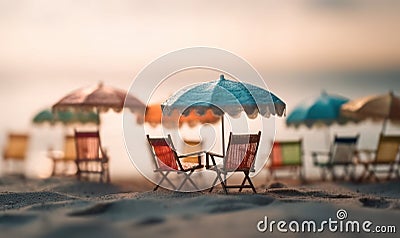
x: 240, y: 157
x: 167, y: 161
x: 90, y: 156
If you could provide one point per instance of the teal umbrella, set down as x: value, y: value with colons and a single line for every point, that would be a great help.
x: 321, y: 110
x: 65, y: 117
x: 225, y: 96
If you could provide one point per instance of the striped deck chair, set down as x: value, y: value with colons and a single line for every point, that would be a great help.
x: 90, y: 156
x: 383, y: 160
x: 240, y: 157
x: 15, y: 151
x: 342, y: 154
x: 286, y: 155
x: 62, y: 161
x: 167, y: 161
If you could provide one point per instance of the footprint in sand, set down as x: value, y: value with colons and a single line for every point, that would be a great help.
x: 238, y: 203
x: 93, y: 210
x: 15, y: 220
x: 375, y: 202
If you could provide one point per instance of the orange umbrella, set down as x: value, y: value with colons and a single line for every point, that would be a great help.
x: 154, y: 114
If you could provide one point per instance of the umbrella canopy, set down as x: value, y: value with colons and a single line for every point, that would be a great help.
x: 322, y: 110
x: 154, y: 116
x: 377, y: 107
x: 100, y: 98
x: 224, y: 96
x: 65, y: 117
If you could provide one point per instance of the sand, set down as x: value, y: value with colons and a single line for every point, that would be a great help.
x: 64, y: 207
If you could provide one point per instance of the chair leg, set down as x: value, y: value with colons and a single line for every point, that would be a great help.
x: 373, y: 175
x: 365, y: 174
x: 53, y: 173
x: 188, y: 178
x: 164, y: 177
x: 108, y: 174
x: 78, y: 171
x: 391, y: 170
x: 213, y: 183
x: 194, y: 184
x: 243, y: 182
x: 251, y: 184
x: 323, y: 174
x: 221, y: 180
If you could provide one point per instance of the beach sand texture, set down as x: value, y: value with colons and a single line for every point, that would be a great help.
x: 64, y: 207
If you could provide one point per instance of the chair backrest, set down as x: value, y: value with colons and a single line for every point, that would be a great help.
x: 16, y: 147
x: 388, y: 149
x: 286, y: 153
x: 69, y: 147
x: 241, y: 152
x: 164, y: 153
x: 88, y: 145
x: 343, y: 149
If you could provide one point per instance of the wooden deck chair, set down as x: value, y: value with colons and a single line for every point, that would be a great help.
x: 286, y: 155
x: 62, y: 161
x: 240, y: 157
x: 167, y: 161
x: 16, y: 149
x: 90, y: 156
x: 343, y: 153
x: 382, y: 160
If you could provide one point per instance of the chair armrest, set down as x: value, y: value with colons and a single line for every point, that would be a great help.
x: 104, y: 153
x: 211, y: 154
x: 191, y: 154
x: 316, y: 154
x: 215, y: 154
x: 368, y: 153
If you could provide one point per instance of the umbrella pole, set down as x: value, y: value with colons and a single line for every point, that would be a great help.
x: 384, y: 126
x: 223, y: 135
x: 98, y: 114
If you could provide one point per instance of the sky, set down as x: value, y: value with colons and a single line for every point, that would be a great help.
x: 49, y: 48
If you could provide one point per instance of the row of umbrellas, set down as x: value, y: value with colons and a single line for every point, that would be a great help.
x: 208, y: 102
x: 328, y: 109
x: 204, y: 102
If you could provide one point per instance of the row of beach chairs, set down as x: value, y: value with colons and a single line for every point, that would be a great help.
x: 85, y: 151
x: 343, y: 155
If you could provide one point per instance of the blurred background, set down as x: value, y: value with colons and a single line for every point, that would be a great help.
x: 49, y: 48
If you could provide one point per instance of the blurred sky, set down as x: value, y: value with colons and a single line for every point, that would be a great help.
x: 48, y: 48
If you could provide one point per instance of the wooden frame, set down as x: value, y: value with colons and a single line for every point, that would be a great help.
x: 278, y: 158
x: 236, y: 160
x: 386, y: 154
x: 343, y: 153
x: 90, y: 156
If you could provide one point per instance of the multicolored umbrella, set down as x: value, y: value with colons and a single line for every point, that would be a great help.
x: 376, y: 107
x: 100, y: 98
x: 224, y: 96
x: 321, y: 110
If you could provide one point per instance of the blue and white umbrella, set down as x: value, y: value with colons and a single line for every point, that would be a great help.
x: 321, y: 110
x: 225, y: 96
